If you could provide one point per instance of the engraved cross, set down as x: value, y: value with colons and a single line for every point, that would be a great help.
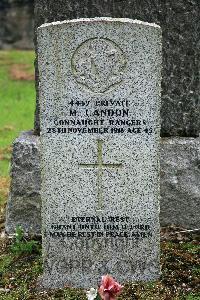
x: 100, y: 167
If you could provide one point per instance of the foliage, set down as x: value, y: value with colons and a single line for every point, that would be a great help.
x: 22, y: 246
x: 98, y: 297
x: 193, y: 297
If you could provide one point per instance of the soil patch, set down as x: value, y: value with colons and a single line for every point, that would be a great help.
x: 21, y: 72
x: 5, y: 153
x: 4, y: 190
x: 4, y: 186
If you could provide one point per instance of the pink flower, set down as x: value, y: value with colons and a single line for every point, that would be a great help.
x: 109, y: 288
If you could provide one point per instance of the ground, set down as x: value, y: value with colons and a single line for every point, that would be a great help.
x: 20, y: 259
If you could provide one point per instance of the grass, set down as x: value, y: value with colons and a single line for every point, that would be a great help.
x: 19, y: 270
x: 17, y: 100
x: 179, y: 280
x: 17, y: 105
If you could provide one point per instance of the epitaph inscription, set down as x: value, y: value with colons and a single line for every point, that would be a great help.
x: 100, y: 100
x: 98, y: 64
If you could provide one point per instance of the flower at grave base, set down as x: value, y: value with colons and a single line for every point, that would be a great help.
x: 91, y: 294
x: 109, y: 288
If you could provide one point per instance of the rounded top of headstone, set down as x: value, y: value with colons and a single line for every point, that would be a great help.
x: 102, y: 20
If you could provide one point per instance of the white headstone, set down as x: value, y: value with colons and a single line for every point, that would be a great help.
x: 100, y: 100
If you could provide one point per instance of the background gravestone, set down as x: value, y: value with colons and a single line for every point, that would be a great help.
x: 25, y: 210
x: 17, y: 23
x: 100, y: 127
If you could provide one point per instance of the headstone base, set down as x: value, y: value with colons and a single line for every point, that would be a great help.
x: 180, y: 177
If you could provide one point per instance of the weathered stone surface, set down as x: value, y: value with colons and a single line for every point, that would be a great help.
x: 100, y: 101
x: 17, y: 24
x: 180, y: 182
x: 180, y: 178
x: 180, y: 25
x: 24, y: 204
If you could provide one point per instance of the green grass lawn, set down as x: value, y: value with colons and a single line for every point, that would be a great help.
x: 17, y: 100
